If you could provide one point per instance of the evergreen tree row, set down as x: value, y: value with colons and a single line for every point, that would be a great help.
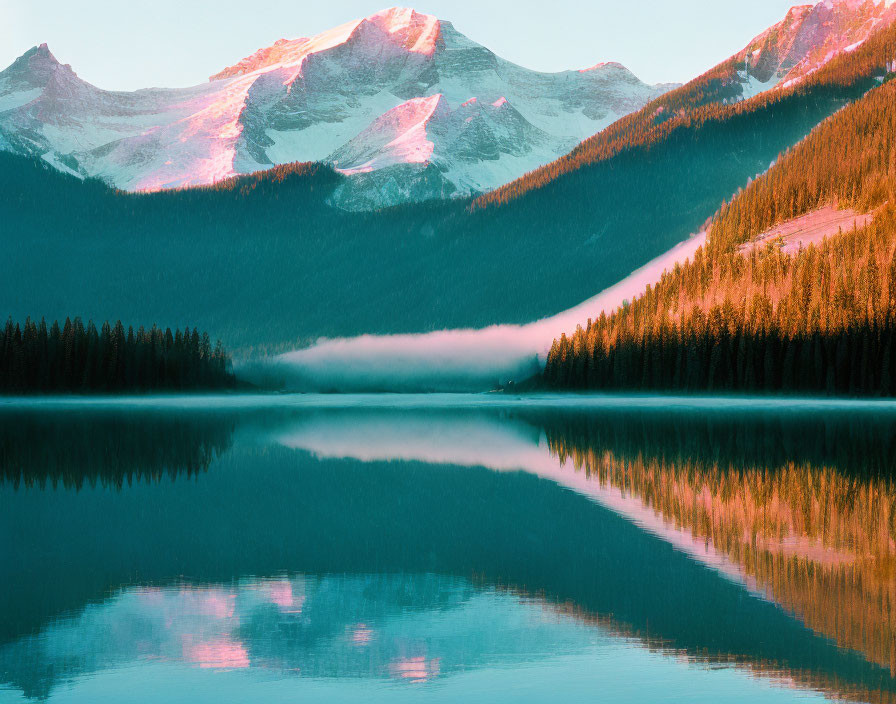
x: 35, y: 357
x: 722, y: 352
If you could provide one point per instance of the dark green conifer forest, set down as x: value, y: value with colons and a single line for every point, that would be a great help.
x: 74, y: 358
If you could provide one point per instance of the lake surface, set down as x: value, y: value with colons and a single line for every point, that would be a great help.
x: 434, y: 548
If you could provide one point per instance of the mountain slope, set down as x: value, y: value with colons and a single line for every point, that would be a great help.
x: 783, y: 57
x: 267, y: 261
x: 763, y: 316
x: 807, y: 38
x: 321, y: 99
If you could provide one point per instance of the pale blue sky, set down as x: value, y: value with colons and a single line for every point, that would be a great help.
x: 128, y: 44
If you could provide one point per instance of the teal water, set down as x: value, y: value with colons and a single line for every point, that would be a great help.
x: 342, y: 549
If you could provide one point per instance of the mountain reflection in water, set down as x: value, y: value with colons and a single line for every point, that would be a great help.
x: 421, y: 545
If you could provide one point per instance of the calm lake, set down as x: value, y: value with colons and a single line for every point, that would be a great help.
x: 446, y: 548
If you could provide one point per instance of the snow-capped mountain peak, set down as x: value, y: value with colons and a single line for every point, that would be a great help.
x: 808, y: 38
x: 383, y: 97
x: 403, y: 27
x: 35, y: 68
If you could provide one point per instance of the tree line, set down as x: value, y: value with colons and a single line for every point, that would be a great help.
x: 723, y: 351
x: 77, y: 358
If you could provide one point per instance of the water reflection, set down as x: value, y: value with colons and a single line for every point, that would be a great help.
x: 107, y: 448
x: 808, y: 512
x: 349, y: 544
x: 401, y: 627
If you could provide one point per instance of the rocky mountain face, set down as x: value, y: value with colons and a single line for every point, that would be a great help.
x: 401, y: 102
x: 806, y: 39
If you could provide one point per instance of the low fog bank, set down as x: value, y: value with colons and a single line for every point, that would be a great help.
x: 447, y: 360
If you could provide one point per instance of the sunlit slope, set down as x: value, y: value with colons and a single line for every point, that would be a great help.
x: 770, y: 316
x: 813, y: 46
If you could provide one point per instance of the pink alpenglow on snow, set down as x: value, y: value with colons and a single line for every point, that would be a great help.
x: 398, y: 137
x: 400, y: 26
x: 603, y: 64
x: 279, y: 52
x: 809, y: 229
x: 809, y: 37
x: 287, y: 102
x: 219, y: 653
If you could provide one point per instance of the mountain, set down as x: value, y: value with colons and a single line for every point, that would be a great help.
x: 809, y: 38
x: 401, y: 102
x: 264, y: 260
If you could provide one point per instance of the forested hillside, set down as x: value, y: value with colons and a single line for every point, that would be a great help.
x: 756, y: 318
x: 264, y: 260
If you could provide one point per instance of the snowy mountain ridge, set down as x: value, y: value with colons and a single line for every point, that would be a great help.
x: 806, y: 39
x: 401, y: 102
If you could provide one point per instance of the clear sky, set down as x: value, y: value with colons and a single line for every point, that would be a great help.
x: 129, y: 44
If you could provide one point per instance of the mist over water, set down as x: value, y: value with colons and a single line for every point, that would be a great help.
x: 449, y: 360
x: 434, y: 548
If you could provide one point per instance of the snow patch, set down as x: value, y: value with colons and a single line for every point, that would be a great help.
x: 398, y: 137
x: 12, y: 101
x: 752, y: 86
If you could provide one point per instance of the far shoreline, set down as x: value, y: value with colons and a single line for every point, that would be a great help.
x: 483, y: 400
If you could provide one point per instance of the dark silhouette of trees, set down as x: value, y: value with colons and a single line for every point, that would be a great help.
x: 99, y: 448
x: 37, y: 358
